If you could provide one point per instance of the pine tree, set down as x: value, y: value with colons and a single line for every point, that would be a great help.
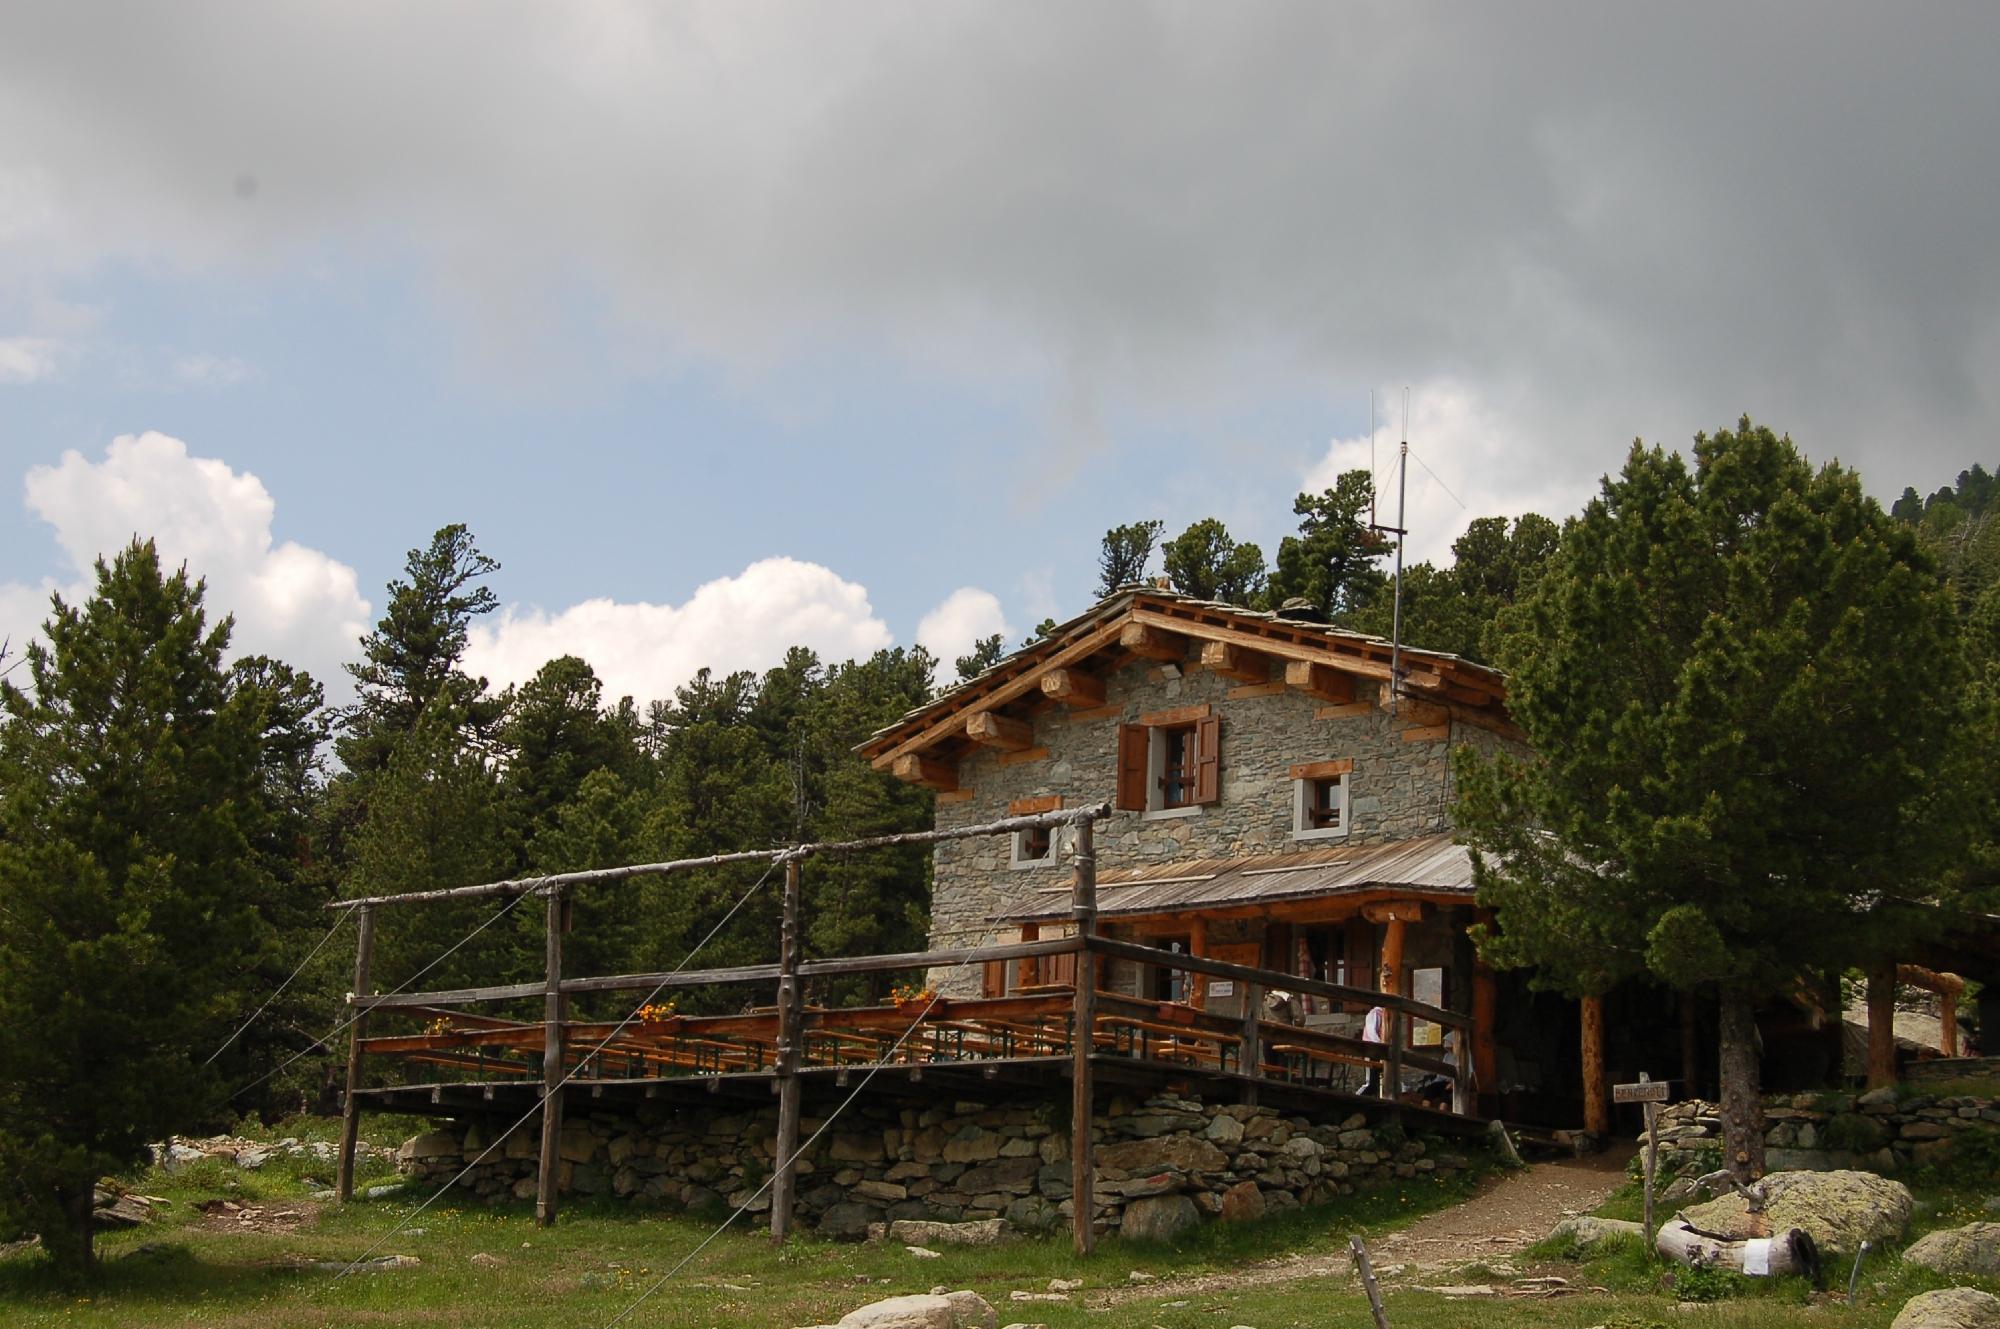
x: 1331, y: 563
x: 1204, y: 561
x: 1124, y: 554
x: 1740, y: 682
x: 135, y: 871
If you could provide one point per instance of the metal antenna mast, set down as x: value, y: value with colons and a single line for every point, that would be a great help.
x: 1396, y: 612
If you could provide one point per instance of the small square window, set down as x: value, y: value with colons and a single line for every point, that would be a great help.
x: 1177, y: 762
x: 1320, y: 807
x: 1034, y: 847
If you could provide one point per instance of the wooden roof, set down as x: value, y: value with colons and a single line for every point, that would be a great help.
x: 1148, y: 623
x: 1429, y: 866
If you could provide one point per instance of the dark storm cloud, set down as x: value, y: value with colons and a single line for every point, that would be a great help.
x: 1597, y: 221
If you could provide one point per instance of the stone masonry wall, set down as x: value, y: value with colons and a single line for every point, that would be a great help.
x: 1398, y: 789
x: 1162, y: 1161
x: 1879, y: 1131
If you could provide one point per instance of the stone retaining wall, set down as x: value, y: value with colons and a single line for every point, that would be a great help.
x: 1162, y: 1164
x: 1878, y: 1131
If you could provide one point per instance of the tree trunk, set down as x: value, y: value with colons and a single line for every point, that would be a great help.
x: 1742, y: 1099
x: 70, y: 1245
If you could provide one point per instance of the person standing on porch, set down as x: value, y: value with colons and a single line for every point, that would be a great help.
x: 1374, y: 1028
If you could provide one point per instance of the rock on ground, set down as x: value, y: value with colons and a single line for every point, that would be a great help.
x: 1587, y: 1231
x: 1951, y: 1308
x: 922, y: 1232
x: 1840, y: 1210
x: 1972, y: 1249
x: 1158, y: 1218
x: 923, y: 1310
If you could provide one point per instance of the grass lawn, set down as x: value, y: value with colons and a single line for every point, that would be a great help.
x: 191, y: 1268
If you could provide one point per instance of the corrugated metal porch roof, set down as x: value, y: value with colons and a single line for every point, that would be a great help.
x: 1430, y: 864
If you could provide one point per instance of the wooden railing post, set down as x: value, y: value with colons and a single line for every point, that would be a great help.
x: 1464, y: 1078
x: 1596, y: 1080
x: 1881, y: 1025
x: 553, y: 1010
x: 790, y: 1013
x: 1250, y: 1052
x: 1083, y: 1163
x: 350, y: 1106
x: 1392, y: 1073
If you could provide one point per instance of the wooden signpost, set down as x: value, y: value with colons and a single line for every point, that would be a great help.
x: 1652, y: 1093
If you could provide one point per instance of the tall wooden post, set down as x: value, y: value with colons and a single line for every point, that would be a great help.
x: 1596, y: 1086
x: 350, y: 1107
x: 1881, y: 1026
x: 1652, y: 1159
x: 1391, y: 1085
x: 550, y: 1172
x: 1197, y: 989
x: 1948, y: 1019
x: 1485, y: 1028
x: 1082, y: 1103
x: 1464, y: 1097
x: 1250, y: 1052
x: 784, y: 1183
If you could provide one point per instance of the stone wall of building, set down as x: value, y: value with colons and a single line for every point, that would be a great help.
x: 1879, y: 1131
x: 1161, y: 1161
x: 1398, y: 789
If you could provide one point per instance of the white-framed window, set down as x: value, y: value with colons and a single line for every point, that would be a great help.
x: 1171, y: 757
x: 1320, y: 800
x: 1035, y: 848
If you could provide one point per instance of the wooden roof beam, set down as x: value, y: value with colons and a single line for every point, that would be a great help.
x: 999, y: 731
x: 1151, y: 643
x: 916, y: 768
x: 1317, y: 680
x: 1073, y: 688
x: 1236, y: 662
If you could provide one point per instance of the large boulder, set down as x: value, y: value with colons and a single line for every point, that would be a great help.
x: 1950, y: 1308
x: 1839, y: 1210
x: 1158, y: 1218
x: 949, y: 1310
x: 1972, y: 1249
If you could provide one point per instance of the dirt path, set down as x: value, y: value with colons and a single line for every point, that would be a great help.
x: 1507, y: 1215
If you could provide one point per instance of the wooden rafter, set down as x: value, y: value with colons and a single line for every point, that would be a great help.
x: 1151, y: 643
x: 1319, y: 681
x: 1236, y: 662
x: 916, y: 768
x: 1073, y: 688
x: 999, y: 731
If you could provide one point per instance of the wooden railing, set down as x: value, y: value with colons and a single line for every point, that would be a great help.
x: 787, y: 1038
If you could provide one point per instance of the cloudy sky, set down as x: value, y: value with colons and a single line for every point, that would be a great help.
x: 728, y: 326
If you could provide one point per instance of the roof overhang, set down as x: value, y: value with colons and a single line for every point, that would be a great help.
x: 1159, y: 625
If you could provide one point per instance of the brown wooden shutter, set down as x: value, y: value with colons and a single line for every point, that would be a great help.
x: 1132, y: 754
x: 994, y: 980
x: 1060, y: 969
x: 1208, y: 760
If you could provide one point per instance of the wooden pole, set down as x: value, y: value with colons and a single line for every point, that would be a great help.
x: 1198, y: 945
x: 1250, y: 1052
x: 550, y: 1171
x: 1596, y: 1086
x: 1464, y: 1099
x: 784, y: 1183
x: 1082, y: 1106
x: 1367, y: 1270
x: 1881, y: 1026
x: 1391, y: 1086
x: 1652, y: 1160
x: 1948, y: 1022
x: 1485, y: 1029
x: 350, y: 1107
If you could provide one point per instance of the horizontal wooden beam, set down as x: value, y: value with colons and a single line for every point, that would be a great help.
x: 1394, y: 911
x: 1236, y: 662
x: 1151, y: 643
x: 999, y: 731
x: 916, y: 768
x: 1174, y: 715
x: 1319, y: 681
x: 1026, y: 807
x: 1323, y: 770
x: 1073, y: 688
x: 1270, y: 978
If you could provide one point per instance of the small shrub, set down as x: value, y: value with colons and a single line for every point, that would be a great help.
x: 1707, y: 1283
x: 1854, y: 1133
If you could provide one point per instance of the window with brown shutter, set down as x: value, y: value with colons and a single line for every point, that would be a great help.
x: 1132, y: 758
x: 1208, y: 760
x: 993, y: 980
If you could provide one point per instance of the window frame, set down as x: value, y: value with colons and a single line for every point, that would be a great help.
x: 1305, y: 780
x: 1016, y: 860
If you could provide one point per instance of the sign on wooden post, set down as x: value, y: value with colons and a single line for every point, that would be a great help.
x: 1652, y: 1093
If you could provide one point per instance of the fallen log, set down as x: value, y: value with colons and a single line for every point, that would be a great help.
x: 1790, y: 1252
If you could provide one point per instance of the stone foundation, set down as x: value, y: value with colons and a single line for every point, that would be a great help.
x: 1162, y: 1164
x: 1820, y: 1132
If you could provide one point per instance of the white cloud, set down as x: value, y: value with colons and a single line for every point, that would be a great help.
x: 646, y: 650
x: 295, y: 603
x: 1469, y: 458
x: 28, y: 359
x: 960, y: 620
